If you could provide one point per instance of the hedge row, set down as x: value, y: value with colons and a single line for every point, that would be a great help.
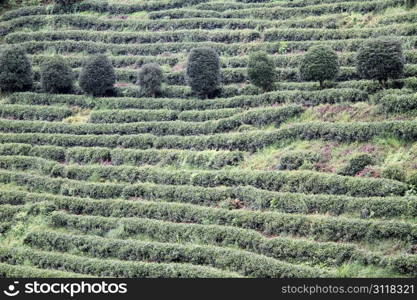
x: 101, y: 7
x: 270, y: 223
x: 304, y: 97
x: 236, y: 75
x: 393, y: 103
x: 246, y: 141
x: 280, y: 13
x: 85, y: 22
x: 13, y: 271
x: 30, y: 112
x: 258, y: 117
x: 265, y: 3
x: 253, y: 198
x: 105, y: 268
x: 245, y: 263
x: 292, y: 250
x: 80, y: 155
x: 8, y: 212
x: 337, y: 34
x: 221, y: 36
x: 223, y: 49
x: 296, y: 182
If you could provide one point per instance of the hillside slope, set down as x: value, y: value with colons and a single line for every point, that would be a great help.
x: 247, y: 184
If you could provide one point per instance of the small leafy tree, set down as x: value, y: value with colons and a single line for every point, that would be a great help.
x: 150, y: 78
x: 97, y: 76
x: 320, y: 63
x: 15, y: 70
x: 261, y: 70
x: 203, y: 71
x: 56, y: 75
x: 380, y: 59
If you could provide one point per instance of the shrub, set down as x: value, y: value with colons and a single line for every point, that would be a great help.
x: 97, y: 76
x: 320, y: 63
x: 261, y: 70
x: 294, y: 160
x: 395, y: 172
x: 203, y: 71
x: 356, y: 164
x: 56, y: 76
x: 412, y: 179
x: 380, y: 59
x: 150, y: 79
x: 15, y: 70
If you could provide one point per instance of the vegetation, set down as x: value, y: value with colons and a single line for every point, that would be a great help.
x: 320, y: 63
x: 97, y: 76
x: 150, y: 78
x: 203, y: 71
x: 381, y: 59
x: 56, y: 76
x: 15, y: 70
x: 294, y: 164
x: 261, y: 70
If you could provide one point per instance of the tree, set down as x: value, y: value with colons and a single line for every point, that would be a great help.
x: 203, y: 71
x: 15, y: 70
x: 380, y: 59
x: 56, y: 75
x: 97, y: 76
x: 150, y: 79
x: 320, y: 63
x: 261, y: 70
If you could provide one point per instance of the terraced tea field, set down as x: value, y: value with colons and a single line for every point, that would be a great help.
x: 246, y: 184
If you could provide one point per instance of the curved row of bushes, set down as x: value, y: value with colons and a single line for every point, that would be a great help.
x: 280, y: 13
x: 100, y: 7
x: 320, y: 228
x: 257, y: 118
x: 223, y: 49
x: 304, y: 97
x: 22, y: 271
x: 94, y: 155
x: 105, y: 268
x: 253, y: 198
x: 246, y: 141
x: 294, y: 250
x: 296, y: 182
x: 85, y: 22
x: 30, y: 112
x: 245, y: 263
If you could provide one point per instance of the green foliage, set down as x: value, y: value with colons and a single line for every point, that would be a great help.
x: 320, y: 63
x: 203, y: 71
x: 395, y: 172
x: 412, y: 180
x: 103, y: 268
x: 261, y: 70
x: 15, y: 70
x: 97, y: 76
x: 150, y: 78
x: 356, y: 164
x: 56, y: 76
x: 302, y: 181
x: 294, y: 160
x: 246, y: 263
x: 380, y: 59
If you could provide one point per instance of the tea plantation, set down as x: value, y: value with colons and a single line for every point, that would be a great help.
x: 191, y: 138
